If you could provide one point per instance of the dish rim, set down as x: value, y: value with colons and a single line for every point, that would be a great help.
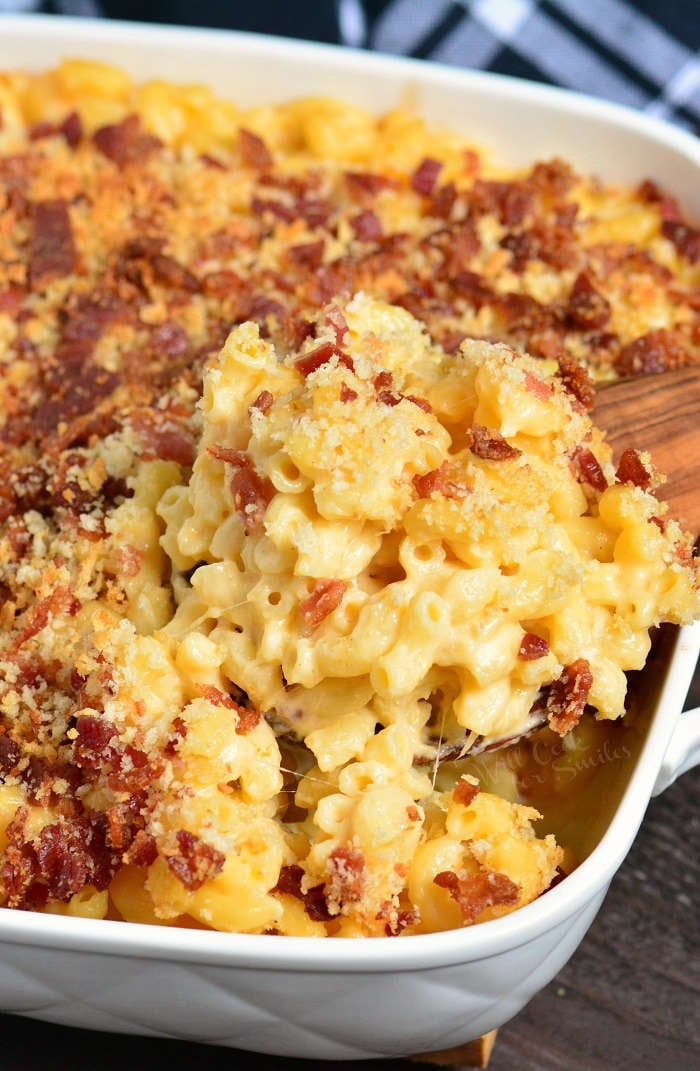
x: 380, y: 954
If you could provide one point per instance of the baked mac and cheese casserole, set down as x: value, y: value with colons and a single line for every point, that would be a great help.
x: 302, y: 506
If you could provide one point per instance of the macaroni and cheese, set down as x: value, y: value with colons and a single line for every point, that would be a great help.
x: 289, y: 517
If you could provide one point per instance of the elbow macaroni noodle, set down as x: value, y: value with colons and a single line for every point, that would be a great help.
x: 388, y: 549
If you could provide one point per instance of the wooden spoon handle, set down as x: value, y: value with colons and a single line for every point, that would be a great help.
x: 659, y: 414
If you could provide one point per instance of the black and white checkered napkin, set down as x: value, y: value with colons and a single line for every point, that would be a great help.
x: 642, y: 53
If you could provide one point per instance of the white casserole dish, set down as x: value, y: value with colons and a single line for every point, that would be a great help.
x: 353, y: 999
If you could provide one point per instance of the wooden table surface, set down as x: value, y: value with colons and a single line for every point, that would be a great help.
x: 629, y: 1000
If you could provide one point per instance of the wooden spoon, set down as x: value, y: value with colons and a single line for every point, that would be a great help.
x: 659, y: 414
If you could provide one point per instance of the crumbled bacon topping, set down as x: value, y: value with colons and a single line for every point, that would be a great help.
x: 439, y: 482
x: 314, y: 359
x: 490, y: 444
x: 659, y: 350
x: 125, y: 143
x: 425, y: 176
x: 568, y: 696
x: 686, y: 239
x: 289, y: 883
x: 263, y: 402
x: 631, y: 469
x: 325, y: 597
x: 52, y: 252
x: 576, y: 380
x: 346, y: 876
x: 465, y: 792
x: 587, y: 468
x: 196, y: 861
x: 532, y: 647
x: 254, y: 152
x: 367, y: 226
x: 474, y: 893
x: 252, y: 493
x: 587, y: 307
x: 246, y: 717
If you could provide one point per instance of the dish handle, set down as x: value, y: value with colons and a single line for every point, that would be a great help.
x: 683, y: 751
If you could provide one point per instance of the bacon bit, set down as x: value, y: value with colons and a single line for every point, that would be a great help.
x: 587, y: 469
x: 631, y: 469
x: 63, y: 859
x: 221, y: 283
x: 394, y: 397
x: 169, y: 338
x: 568, y: 695
x: 412, y: 813
x: 254, y: 152
x: 346, y: 876
x: 19, y: 863
x: 43, y: 129
x: 72, y: 129
x: 260, y: 206
x: 538, y: 387
x: 11, y: 299
x: 382, y: 381
x: 169, y: 272
x: 142, y: 851
x: 686, y: 239
x: 252, y: 493
x: 263, y: 402
x: 134, y: 773
x: 313, y: 211
x: 60, y: 601
x: 587, y: 308
x: 668, y: 205
x: 289, y: 884
x: 93, y: 748
x: 576, y: 380
x: 247, y: 717
x: 476, y: 892
x: 396, y: 919
x: 125, y: 143
x: 313, y: 360
x: 196, y: 862
x: 178, y: 735
x: 425, y: 176
x: 347, y: 394
x: 367, y: 226
x: 211, y: 161
x: 532, y: 647
x: 309, y: 255
x: 442, y: 201
x: 10, y: 753
x: 465, y: 792
x: 326, y: 597
x: 659, y: 350
x: 471, y: 286
x: 162, y: 436
x: 490, y: 444
x: 439, y: 482
x: 363, y: 182
x: 52, y: 252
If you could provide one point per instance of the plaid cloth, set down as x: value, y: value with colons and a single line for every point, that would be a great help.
x: 643, y: 53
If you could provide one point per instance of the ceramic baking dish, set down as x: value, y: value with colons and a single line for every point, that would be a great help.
x: 363, y: 998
